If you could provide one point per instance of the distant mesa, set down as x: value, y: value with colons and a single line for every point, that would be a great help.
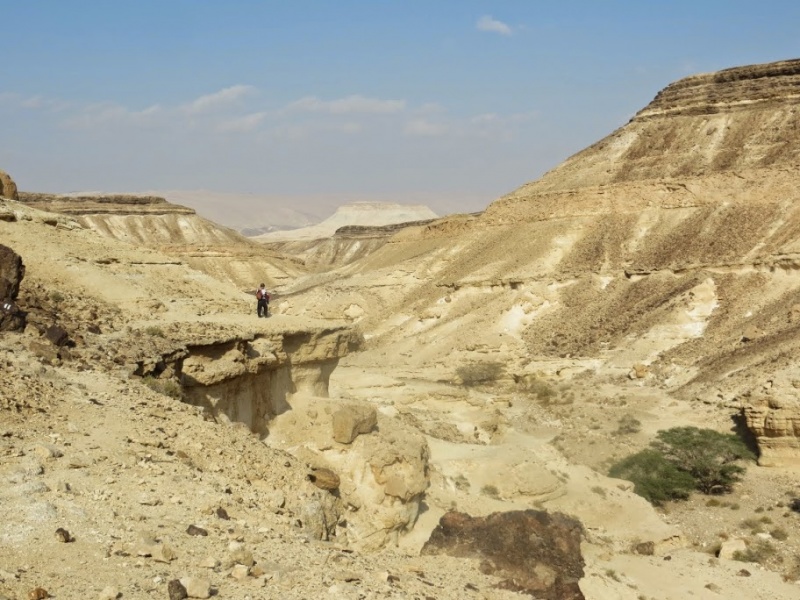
x: 364, y: 214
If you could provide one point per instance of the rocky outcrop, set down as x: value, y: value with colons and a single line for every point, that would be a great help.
x: 11, y: 273
x: 8, y: 189
x: 530, y: 551
x: 382, y: 471
x: 246, y: 378
x: 775, y: 423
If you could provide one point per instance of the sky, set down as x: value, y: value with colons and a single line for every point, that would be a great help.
x: 452, y: 103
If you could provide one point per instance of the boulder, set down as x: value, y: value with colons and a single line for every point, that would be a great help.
x: 11, y: 273
x: 352, y: 420
x: 12, y: 270
x: 531, y: 551
x: 8, y: 189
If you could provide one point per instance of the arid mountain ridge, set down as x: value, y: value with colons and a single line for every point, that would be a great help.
x: 651, y: 276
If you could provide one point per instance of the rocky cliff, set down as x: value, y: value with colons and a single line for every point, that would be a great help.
x: 736, y: 119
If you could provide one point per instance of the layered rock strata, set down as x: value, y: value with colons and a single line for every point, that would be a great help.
x: 775, y: 423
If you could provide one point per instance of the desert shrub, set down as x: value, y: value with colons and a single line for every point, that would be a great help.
x: 599, y: 491
x: 491, y: 491
x: 541, y: 389
x: 795, y: 505
x: 754, y: 525
x: 779, y: 533
x: 479, y: 373
x: 168, y: 387
x: 758, y: 552
x: 155, y: 331
x: 707, y: 455
x: 683, y: 459
x: 57, y: 297
x: 628, y: 424
x: 654, y: 477
x: 461, y: 482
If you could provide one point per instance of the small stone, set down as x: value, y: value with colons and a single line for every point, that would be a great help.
x: 197, y: 587
x: 176, y: 590
x: 324, y: 479
x: 275, y: 501
x: 222, y: 514
x: 158, y: 552
x: 195, y: 530
x: 109, y: 593
x: 45, y: 452
x: 209, y: 563
x: 164, y: 553
x: 62, y: 535
x: 240, y: 572
x: 38, y: 594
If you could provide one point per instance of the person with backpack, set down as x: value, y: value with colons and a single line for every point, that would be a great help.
x: 263, y: 301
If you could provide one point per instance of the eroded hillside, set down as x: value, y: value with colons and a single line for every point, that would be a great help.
x: 152, y: 222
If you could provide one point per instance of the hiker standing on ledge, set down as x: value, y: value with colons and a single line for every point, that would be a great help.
x: 263, y: 301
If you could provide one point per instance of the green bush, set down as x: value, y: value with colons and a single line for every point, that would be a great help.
x: 154, y: 330
x: 707, y: 455
x: 479, y: 373
x: 684, y: 459
x: 654, y: 477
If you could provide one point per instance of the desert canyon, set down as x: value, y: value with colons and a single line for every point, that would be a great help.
x: 433, y: 407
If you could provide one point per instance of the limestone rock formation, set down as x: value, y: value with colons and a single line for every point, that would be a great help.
x: 775, y: 423
x: 382, y: 473
x: 531, y: 551
x: 8, y: 189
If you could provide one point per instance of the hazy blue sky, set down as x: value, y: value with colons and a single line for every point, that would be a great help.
x: 456, y: 100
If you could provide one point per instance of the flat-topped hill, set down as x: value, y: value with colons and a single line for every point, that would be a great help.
x: 368, y: 214
x: 740, y: 118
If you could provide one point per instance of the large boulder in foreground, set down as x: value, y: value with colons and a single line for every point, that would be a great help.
x: 8, y: 189
x: 533, y: 551
x: 11, y: 273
